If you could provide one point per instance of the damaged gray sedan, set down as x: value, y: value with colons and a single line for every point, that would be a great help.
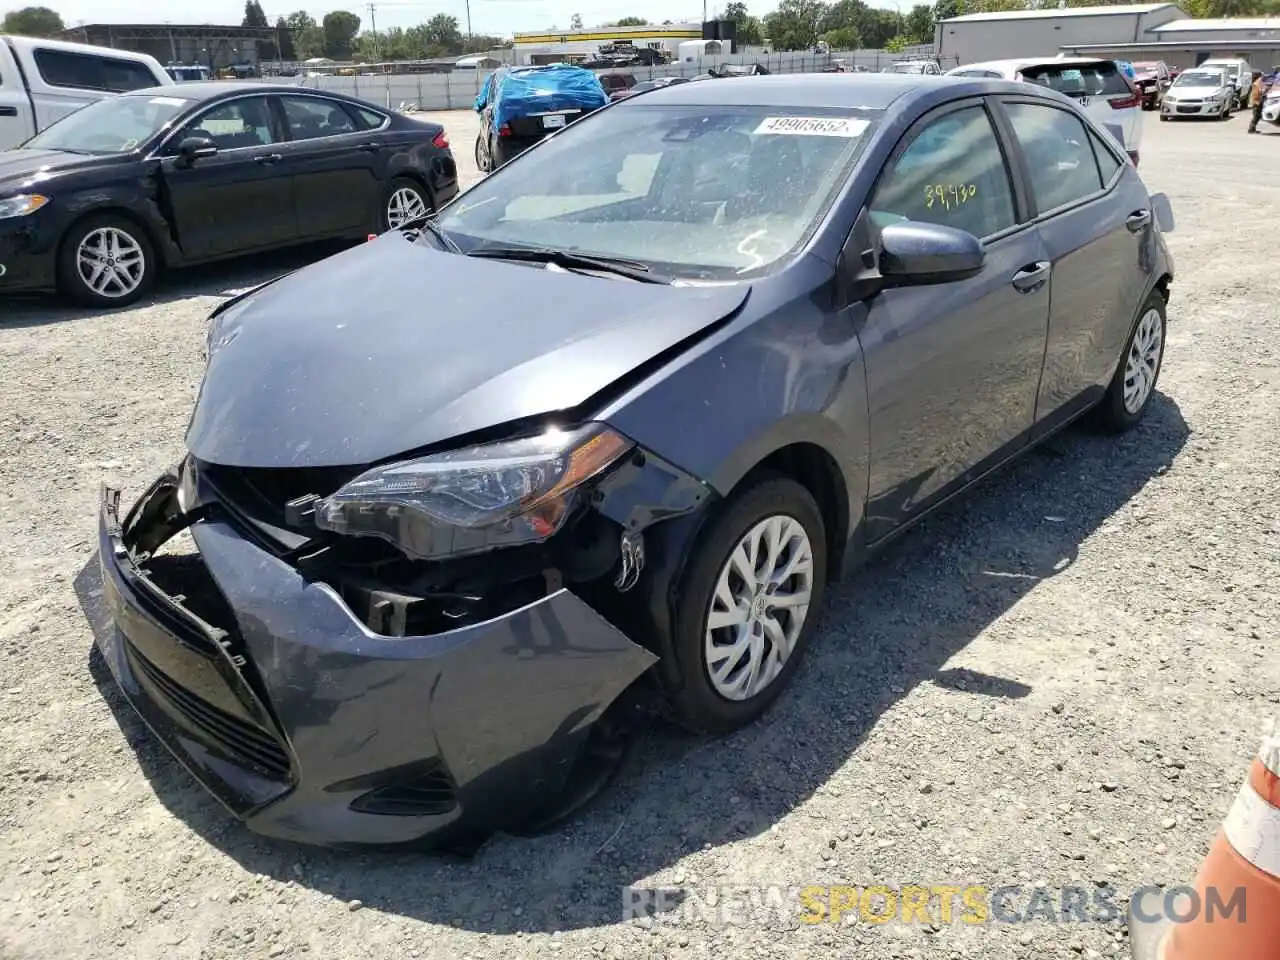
x: 462, y: 500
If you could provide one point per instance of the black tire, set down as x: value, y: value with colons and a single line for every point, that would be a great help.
x: 397, y: 185
x: 696, y: 704
x: 482, y: 155
x: 1112, y: 414
x: 75, y: 285
x: 496, y: 154
x: 1163, y: 118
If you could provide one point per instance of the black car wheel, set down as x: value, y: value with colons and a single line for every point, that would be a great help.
x: 404, y: 200
x: 1134, y: 383
x: 482, y: 155
x: 749, y: 599
x: 106, y: 261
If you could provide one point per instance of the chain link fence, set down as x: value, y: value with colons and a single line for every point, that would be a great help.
x: 458, y: 90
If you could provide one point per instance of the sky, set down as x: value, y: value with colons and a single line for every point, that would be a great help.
x: 497, y: 17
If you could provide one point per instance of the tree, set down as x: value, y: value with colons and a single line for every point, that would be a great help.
x: 632, y: 22
x: 843, y: 38
x: 946, y: 9
x: 285, y: 36
x: 442, y: 33
x: 340, y: 28
x: 748, y: 29
x: 794, y: 25
x: 575, y: 22
x: 919, y: 28
x: 253, y: 15
x: 33, y: 22
x: 306, y: 37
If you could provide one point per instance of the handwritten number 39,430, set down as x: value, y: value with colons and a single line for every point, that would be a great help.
x: 948, y: 194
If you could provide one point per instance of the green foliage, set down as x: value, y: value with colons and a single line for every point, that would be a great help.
x: 632, y: 22
x: 33, y: 22
x: 254, y: 16
x: 340, y: 28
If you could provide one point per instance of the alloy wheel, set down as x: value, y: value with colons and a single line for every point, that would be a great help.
x: 758, y: 607
x: 111, y: 263
x: 1143, y: 361
x: 405, y: 204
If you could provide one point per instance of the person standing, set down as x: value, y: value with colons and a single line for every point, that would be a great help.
x: 1257, y: 97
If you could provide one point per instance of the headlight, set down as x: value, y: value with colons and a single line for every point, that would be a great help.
x: 22, y: 205
x: 468, y: 501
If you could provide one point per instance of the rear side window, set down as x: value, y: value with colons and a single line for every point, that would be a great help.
x: 1079, y: 80
x: 82, y: 72
x: 1107, y: 162
x: 369, y: 119
x: 1059, y: 155
x: 953, y: 173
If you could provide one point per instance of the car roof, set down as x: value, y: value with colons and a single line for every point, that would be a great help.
x: 210, y: 89
x: 1023, y: 62
x: 872, y: 91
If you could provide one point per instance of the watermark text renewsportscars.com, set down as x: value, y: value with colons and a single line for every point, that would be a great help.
x: 931, y: 905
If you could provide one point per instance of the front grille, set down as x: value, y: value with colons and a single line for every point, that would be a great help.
x: 241, y: 742
x: 429, y: 794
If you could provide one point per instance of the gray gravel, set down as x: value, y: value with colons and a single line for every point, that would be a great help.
x: 1057, y: 680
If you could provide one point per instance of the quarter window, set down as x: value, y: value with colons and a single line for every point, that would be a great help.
x: 241, y: 123
x: 311, y: 118
x: 1059, y: 155
x: 1107, y: 162
x: 953, y: 173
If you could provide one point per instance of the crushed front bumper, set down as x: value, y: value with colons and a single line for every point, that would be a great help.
x: 312, y: 728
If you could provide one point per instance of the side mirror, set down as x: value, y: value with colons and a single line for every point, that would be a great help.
x: 1163, y: 210
x: 192, y: 149
x: 920, y: 253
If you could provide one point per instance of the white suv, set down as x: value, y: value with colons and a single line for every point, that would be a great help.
x: 1101, y: 88
x: 1238, y: 72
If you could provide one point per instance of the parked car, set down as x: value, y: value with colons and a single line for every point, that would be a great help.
x: 644, y: 86
x: 1271, y: 106
x: 1238, y: 72
x: 1099, y: 86
x: 97, y: 204
x: 518, y: 106
x: 617, y: 85
x: 187, y: 72
x: 42, y: 81
x: 441, y: 585
x: 928, y: 68
x: 738, y: 70
x: 1152, y: 80
x: 1199, y: 92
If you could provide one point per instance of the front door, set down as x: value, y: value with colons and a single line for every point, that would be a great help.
x: 335, y: 164
x: 952, y: 369
x: 1095, y: 246
x: 239, y: 200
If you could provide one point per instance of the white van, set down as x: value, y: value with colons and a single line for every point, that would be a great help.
x: 1238, y: 72
x: 43, y: 80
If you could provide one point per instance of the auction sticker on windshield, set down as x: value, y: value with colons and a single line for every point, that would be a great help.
x: 813, y: 126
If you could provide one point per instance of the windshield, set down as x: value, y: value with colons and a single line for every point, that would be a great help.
x: 114, y: 125
x: 1102, y: 78
x: 701, y: 192
x: 1201, y: 78
x: 905, y: 68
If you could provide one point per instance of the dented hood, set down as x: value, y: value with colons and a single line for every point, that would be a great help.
x: 392, y: 346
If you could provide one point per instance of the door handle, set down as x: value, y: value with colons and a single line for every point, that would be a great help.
x: 268, y: 158
x: 370, y: 147
x: 8, y: 111
x: 1138, y: 221
x: 1031, y: 277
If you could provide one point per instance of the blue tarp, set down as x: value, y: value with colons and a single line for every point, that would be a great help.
x: 523, y: 92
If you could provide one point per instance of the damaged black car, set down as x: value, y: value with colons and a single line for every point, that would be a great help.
x: 458, y: 503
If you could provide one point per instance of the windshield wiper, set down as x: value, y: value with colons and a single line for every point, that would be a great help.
x: 630, y: 269
x: 428, y: 223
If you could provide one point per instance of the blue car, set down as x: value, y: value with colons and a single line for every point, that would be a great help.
x: 468, y: 499
x: 518, y: 106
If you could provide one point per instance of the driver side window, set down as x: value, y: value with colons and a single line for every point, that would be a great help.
x: 231, y: 126
x: 953, y: 174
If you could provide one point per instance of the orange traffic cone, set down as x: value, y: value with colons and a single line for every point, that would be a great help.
x: 1234, y: 911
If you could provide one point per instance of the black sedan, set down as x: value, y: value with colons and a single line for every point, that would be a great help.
x: 701, y: 352
x: 97, y: 204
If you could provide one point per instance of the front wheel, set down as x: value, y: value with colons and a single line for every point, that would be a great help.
x: 750, y: 597
x: 1134, y: 383
x: 106, y: 261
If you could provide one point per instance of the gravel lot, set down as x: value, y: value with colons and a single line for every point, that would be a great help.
x: 1058, y: 680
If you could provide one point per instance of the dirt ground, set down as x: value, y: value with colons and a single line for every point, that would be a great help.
x: 1057, y: 682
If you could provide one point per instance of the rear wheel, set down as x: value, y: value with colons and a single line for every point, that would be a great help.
x: 1134, y: 383
x: 483, y: 159
x: 405, y: 200
x: 106, y: 261
x: 749, y: 600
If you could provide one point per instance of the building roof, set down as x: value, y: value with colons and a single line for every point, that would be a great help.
x: 1052, y: 13
x: 126, y: 31
x: 1222, y: 23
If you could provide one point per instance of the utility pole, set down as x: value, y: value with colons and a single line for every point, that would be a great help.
x: 373, y: 28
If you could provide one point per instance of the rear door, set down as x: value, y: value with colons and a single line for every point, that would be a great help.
x: 1089, y: 207
x: 17, y: 120
x: 336, y: 163
x: 242, y: 198
x: 1104, y: 92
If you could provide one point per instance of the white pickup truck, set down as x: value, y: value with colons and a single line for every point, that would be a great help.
x: 43, y: 80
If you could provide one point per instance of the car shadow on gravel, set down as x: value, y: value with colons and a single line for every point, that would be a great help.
x: 893, y: 626
x: 222, y: 279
